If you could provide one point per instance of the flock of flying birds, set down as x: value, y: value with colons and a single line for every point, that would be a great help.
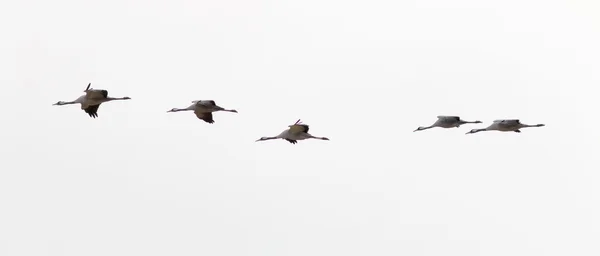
x: 91, y: 100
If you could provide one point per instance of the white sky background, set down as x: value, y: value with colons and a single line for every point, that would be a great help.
x: 139, y: 181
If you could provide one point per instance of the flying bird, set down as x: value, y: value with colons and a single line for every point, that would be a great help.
x: 90, y: 102
x: 447, y: 122
x: 203, y: 109
x: 506, y: 125
x: 296, y: 132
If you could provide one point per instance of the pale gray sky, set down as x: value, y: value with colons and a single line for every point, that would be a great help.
x: 139, y: 181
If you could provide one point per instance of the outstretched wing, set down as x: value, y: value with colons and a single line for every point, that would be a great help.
x: 97, y: 94
x: 449, y: 119
x: 205, y: 102
x: 92, y: 110
x: 298, y: 128
x: 509, y: 122
x: 456, y: 118
x: 206, y: 116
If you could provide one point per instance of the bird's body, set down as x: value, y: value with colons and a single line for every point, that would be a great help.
x: 447, y: 122
x: 91, y: 100
x: 505, y: 125
x: 203, y: 109
x: 295, y: 133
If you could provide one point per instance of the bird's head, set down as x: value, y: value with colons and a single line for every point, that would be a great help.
x: 173, y: 110
x: 59, y: 103
x: 473, y: 131
x: 126, y: 98
x: 264, y: 138
x: 419, y: 129
x: 477, y: 122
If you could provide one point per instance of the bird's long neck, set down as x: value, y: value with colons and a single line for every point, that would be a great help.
x: 181, y: 109
x: 469, y: 122
x: 422, y: 128
x: 60, y: 103
x: 192, y: 107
